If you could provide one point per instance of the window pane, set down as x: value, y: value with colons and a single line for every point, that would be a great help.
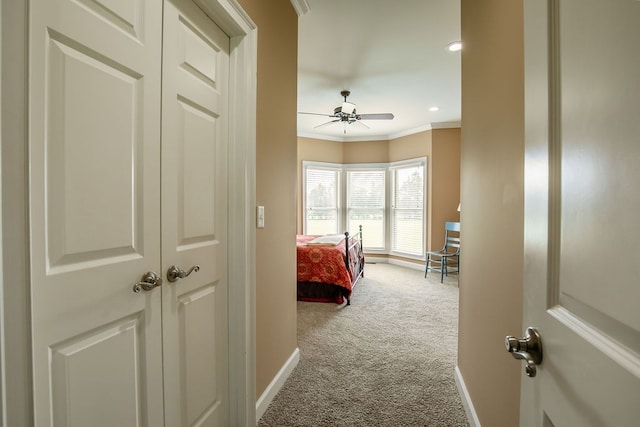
x: 322, y: 221
x: 321, y: 201
x: 366, y: 206
x: 407, y: 216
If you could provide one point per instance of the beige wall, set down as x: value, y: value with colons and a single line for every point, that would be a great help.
x: 276, y: 146
x: 445, y: 179
x: 319, y: 150
x: 411, y: 146
x: 366, y: 152
x: 492, y: 206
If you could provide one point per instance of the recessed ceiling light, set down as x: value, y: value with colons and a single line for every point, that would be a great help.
x: 454, y: 46
x: 432, y: 109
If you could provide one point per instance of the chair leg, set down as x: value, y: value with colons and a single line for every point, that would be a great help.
x: 426, y: 267
x: 443, y: 268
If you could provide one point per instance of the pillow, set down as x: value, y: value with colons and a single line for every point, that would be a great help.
x: 328, y: 240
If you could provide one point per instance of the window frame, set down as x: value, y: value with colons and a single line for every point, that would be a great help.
x: 335, y: 167
x: 369, y: 167
x: 342, y: 194
x: 393, y: 168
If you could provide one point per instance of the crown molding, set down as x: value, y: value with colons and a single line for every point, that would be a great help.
x: 446, y: 125
x: 391, y: 137
x: 319, y: 136
x: 301, y: 7
x: 408, y: 132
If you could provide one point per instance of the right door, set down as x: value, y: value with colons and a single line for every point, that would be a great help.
x: 194, y: 217
x: 582, y: 240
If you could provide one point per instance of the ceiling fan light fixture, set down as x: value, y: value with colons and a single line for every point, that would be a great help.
x: 434, y: 109
x: 346, y: 113
x: 348, y: 107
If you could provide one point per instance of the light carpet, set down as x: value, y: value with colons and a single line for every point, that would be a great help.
x: 388, y: 359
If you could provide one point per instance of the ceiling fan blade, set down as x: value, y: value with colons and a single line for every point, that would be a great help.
x: 378, y: 116
x: 327, y: 123
x: 317, y: 114
x: 359, y: 123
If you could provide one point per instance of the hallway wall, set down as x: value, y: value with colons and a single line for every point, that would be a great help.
x: 492, y: 194
x: 276, y: 148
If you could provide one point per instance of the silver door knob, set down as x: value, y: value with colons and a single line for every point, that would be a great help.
x: 149, y: 281
x: 174, y: 273
x: 528, y: 349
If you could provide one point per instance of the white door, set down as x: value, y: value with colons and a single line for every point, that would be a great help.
x: 94, y: 157
x: 95, y: 210
x: 582, y: 251
x: 194, y: 216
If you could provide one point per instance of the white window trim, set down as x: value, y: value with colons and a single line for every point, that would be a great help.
x: 336, y: 167
x: 342, y: 198
x: 420, y: 161
x: 376, y: 167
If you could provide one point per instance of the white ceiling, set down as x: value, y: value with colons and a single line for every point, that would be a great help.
x: 391, y: 55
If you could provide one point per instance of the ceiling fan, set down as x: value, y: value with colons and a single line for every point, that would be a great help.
x: 346, y: 114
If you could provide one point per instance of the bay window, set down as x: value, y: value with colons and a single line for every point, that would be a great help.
x: 387, y: 199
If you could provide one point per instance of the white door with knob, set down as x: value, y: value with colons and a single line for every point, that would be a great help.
x: 582, y: 251
x: 127, y: 177
x: 194, y: 216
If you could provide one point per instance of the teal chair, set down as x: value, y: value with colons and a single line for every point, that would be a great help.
x: 447, y: 259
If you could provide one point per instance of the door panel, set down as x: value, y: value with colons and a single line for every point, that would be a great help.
x: 582, y: 97
x: 196, y: 198
x: 85, y: 159
x: 94, y: 211
x: 77, y: 385
x: 126, y: 15
x: 198, y: 355
x: 194, y: 213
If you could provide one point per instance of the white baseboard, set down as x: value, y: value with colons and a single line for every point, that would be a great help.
x: 472, y: 417
x: 276, y: 384
x: 407, y: 264
x: 372, y: 259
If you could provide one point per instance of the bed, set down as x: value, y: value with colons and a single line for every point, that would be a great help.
x: 329, y: 266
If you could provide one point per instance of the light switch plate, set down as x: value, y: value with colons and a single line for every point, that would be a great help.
x: 260, y: 216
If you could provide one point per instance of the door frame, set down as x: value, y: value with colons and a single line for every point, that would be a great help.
x: 16, y: 405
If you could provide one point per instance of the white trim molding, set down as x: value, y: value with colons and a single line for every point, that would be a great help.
x: 472, y: 417
x: 15, y: 316
x: 373, y: 259
x: 234, y: 21
x: 407, y: 264
x: 301, y: 7
x: 276, y: 384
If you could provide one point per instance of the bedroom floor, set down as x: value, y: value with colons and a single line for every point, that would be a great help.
x: 388, y: 359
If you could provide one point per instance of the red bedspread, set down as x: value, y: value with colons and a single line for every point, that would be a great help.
x: 322, y: 263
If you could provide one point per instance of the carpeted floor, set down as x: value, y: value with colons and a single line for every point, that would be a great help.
x: 388, y: 359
